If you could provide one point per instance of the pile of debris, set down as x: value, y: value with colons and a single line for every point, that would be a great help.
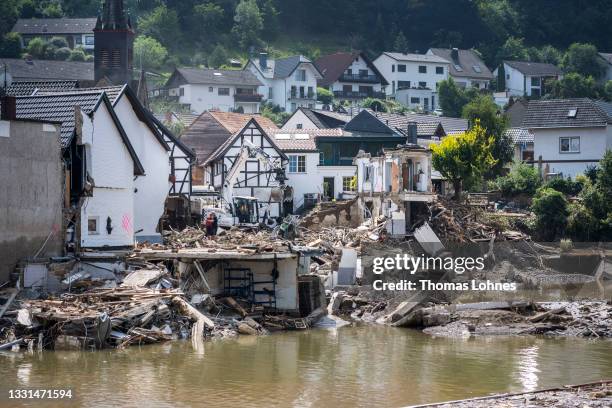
x: 457, y: 222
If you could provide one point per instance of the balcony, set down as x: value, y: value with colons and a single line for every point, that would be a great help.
x: 302, y: 95
x: 358, y: 95
x: 245, y: 97
x: 369, y: 79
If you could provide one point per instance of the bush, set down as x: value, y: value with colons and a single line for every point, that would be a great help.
x: 522, y: 179
x: 565, y: 186
x: 582, y: 225
x: 217, y: 57
x: 36, y: 47
x: 62, y: 54
x: 551, y: 210
x: 58, y: 42
x: 77, y: 55
x: 375, y: 104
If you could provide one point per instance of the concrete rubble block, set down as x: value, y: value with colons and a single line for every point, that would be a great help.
x: 142, y: 277
x: 435, y: 317
x: 245, y: 328
x: 334, y: 303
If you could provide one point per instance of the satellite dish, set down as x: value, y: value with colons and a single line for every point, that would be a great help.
x: 5, y: 77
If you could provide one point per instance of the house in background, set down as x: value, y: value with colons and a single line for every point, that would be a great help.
x: 78, y: 32
x: 306, y: 171
x: 207, y: 89
x: 210, y: 130
x: 523, y: 143
x: 569, y: 134
x: 305, y: 118
x: 416, y: 75
x: 289, y: 82
x: 351, y: 76
x: 465, y: 67
x: 528, y: 78
x: 35, y: 74
x: 607, y: 57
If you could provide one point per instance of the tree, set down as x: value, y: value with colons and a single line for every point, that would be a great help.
x: 583, y: 59
x: 8, y: 15
x: 376, y: 105
x: 162, y: 24
x: 248, y: 23
x: 325, y: 96
x: 501, y: 78
x: 550, y: 209
x: 218, y: 57
x: 270, y: 20
x: 52, y: 10
x: 10, y: 47
x: 464, y: 159
x: 452, y: 98
x: 401, y: 43
x: 148, y: 52
x: 513, y: 49
x: 211, y: 17
x: 574, y: 85
x: 484, y: 111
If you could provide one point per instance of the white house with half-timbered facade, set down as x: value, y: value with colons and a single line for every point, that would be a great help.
x: 254, y: 179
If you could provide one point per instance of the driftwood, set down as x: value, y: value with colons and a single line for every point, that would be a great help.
x: 201, y: 321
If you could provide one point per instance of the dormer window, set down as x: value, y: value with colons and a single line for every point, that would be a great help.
x: 572, y: 113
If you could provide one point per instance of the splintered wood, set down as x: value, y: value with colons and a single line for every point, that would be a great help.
x: 464, y: 223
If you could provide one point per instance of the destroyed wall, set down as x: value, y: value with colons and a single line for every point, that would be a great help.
x: 31, y: 182
x: 286, y: 285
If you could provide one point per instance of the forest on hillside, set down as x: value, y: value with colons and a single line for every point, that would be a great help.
x: 193, y: 31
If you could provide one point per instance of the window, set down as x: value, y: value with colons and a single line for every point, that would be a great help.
x: 535, y: 81
x: 270, y: 93
x: 300, y: 75
x: 415, y: 100
x: 89, y: 40
x: 349, y: 71
x: 569, y: 144
x: 297, y: 164
x: 392, y: 86
x: 363, y: 73
x: 116, y: 58
x: 392, y: 68
x: 299, y: 126
x: 422, y: 69
x: 422, y: 84
x: 440, y: 70
x: 211, y: 89
x: 104, y: 58
x: 477, y: 69
x: 401, y: 68
x: 403, y: 84
x: 475, y: 84
x: 92, y: 226
x: 78, y: 40
x: 572, y: 113
x: 223, y: 91
x: 349, y: 184
x: 321, y: 158
x: 182, y: 91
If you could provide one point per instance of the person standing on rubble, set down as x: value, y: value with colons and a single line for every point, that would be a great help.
x: 209, y: 224
x: 215, y: 224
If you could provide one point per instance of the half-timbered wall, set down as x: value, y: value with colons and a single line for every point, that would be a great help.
x: 255, y: 178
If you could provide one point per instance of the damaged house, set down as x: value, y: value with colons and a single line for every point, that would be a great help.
x: 397, y: 183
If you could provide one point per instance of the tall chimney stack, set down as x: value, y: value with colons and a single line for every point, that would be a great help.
x: 412, y: 133
x: 9, y: 108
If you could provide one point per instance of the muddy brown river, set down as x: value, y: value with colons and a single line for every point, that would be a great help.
x: 352, y: 366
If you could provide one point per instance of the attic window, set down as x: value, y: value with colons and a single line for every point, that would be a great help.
x: 283, y: 136
x: 477, y: 68
x: 572, y: 113
x: 458, y: 68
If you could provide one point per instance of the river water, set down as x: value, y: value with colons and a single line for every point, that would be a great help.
x: 350, y: 366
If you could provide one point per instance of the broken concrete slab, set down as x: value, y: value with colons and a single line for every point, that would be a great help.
x: 142, y: 277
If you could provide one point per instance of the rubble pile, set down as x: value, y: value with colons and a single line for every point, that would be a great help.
x: 457, y: 222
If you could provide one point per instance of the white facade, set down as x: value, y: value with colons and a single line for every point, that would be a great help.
x: 151, y: 190
x: 112, y: 169
x: 358, y: 81
x: 412, y: 71
x: 519, y: 84
x: 587, y: 147
x: 298, y: 89
x: 299, y: 120
x: 226, y: 98
x: 418, y: 98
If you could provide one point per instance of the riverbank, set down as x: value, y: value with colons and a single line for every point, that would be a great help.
x: 592, y: 395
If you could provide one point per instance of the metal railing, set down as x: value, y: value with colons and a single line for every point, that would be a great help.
x: 359, y: 78
x: 359, y: 95
x: 301, y: 95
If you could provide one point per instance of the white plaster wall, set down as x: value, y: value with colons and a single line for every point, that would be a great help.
x: 299, y: 118
x: 515, y: 82
x: 384, y: 65
x: 152, y: 189
x: 593, y: 144
x: 112, y: 169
